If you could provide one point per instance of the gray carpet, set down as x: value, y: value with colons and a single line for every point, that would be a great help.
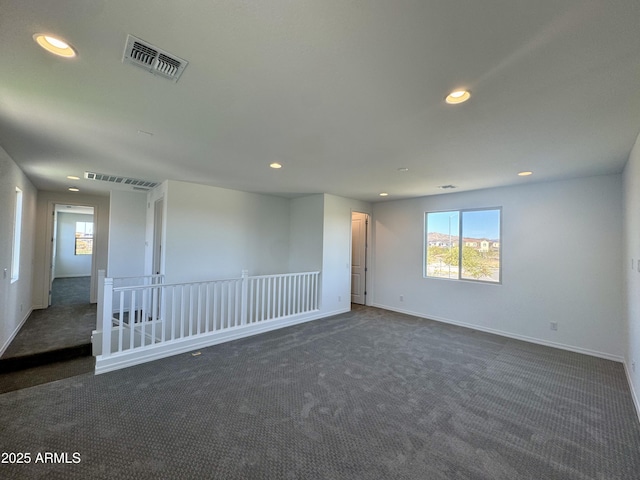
x: 54, y: 343
x: 54, y: 328
x: 45, y: 373
x: 68, y: 322
x: 365, y: 395
x: 70, y: 291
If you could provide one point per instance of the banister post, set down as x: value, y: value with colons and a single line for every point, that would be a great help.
x: 107, y: 316
x: 243, y: 299
x: 101, y: 275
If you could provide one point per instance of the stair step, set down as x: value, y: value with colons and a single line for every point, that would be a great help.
x: 22, y: 362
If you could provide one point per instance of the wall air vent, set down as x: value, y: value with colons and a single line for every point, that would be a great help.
x: 133, y: 182
x: 153, y: 59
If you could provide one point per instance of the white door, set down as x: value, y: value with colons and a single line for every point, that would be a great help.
x: 359, y: 224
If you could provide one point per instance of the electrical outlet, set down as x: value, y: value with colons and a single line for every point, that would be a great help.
x: 553, y: 326
x: 402, y: 298
x: 339, y: 298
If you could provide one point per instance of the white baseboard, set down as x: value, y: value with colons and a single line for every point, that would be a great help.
x: 515, y: 336
x: 15, y: 332
x: 634, y: 395
x: 175, y: 347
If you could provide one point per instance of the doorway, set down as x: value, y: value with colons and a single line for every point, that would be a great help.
x: 158, y: 215
x: 72, y: 253
x: 359, y: 244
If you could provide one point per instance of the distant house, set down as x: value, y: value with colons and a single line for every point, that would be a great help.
x: 441, y: 244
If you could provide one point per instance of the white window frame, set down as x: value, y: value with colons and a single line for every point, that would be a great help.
x: 17, y: 237
x: 85, y: 236
x: 460, y: 212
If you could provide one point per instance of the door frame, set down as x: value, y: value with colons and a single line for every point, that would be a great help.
x: 51, y: 224
x: 157, y: 260
x: 368, y: 264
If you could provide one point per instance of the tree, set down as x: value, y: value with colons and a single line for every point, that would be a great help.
x: 474, y: 263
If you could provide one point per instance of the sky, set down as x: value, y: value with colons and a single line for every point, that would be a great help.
x: 475, y: 223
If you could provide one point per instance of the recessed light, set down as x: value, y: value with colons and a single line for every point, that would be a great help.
x: 74, y: 189
x: 73, y: 177
x: 525, y: 174
x: 458, y: 96
x: 54, y: 45
x: 384, y: 194
x: 275, y: 165
x: 403, y: 169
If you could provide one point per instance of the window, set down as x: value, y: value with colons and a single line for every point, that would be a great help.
x: 17, y: 234
x: 84, y: 238
x: 470, y: 238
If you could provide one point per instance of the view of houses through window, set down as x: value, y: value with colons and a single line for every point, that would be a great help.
x: 84, y: 238
x: 467, y: 238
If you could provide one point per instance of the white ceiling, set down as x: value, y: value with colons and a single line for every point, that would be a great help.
x: 342, y: 93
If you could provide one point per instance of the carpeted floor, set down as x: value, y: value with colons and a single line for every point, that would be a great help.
x: 71, y: 291
x: 46, y: 372
x: 53, y: 343
x: 68, y: 322
x: 366, y: 395
x: 54, y: 328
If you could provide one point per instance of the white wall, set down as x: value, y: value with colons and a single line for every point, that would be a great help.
x: 44, y: 232
x: 336, y: 252
x: 214, y: 233
x: 561, y: 263
x: 305, y: 236
x: 68, y: 264
x: 127, y: 232
x: 631, y: 264
x: 15, y: 298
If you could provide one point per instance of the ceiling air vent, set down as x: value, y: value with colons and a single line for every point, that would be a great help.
x: 133, y: 182
x: 153, y: 59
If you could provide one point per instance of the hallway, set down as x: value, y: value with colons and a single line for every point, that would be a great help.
x: 54, y: 343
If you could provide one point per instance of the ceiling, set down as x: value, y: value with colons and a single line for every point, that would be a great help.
x: 342, y: 93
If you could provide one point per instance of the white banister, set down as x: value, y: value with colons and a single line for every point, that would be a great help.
x: 144, y: 318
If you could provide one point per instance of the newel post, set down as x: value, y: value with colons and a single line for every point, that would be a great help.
x: 101, y: 275
x: 243, y: 299
x: 107, y: 316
